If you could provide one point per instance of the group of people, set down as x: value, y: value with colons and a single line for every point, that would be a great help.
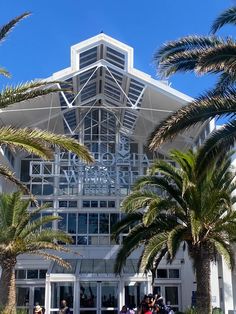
x: 149, y: 305
x: 64, y: 308
x: 154, y: 304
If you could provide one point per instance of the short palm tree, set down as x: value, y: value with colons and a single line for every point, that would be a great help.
x: 181, y: 206
x: 202, y: 55
x: 34, y: 141
x: 21, y: 232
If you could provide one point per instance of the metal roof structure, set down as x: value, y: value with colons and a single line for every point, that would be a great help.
x: 102, y: 75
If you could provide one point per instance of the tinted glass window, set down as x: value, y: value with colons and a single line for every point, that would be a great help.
x: 82, y: 223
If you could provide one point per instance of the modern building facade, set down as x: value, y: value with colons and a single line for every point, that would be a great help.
x: 112, y: 111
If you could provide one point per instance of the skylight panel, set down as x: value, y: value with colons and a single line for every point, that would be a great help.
x: 88, y: 57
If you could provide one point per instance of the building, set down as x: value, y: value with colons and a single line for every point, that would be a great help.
x: 113, y: 110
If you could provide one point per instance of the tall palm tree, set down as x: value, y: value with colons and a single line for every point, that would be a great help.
x: 202, y: 55
x: 21, y: 232
x: 34, y: 141
x: 176, y: 206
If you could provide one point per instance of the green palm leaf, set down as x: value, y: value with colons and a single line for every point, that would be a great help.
x: 227, y: 17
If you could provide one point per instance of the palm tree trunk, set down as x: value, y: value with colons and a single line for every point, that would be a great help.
x: 203, y: 273
x: 8, y: 286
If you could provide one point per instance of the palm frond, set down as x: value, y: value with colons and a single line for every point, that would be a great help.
x: 226, y: 17
x: 26, y: 91
x: 182, y: 54
x: 207, y: 106
x: 152, y: 249
x: 218, y: 59
x: 217, y: 144
x: 38, y: 142
x: 224, y: 249
x: 5, y: 29
x: 10, y: 176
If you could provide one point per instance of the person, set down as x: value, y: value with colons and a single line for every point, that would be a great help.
x: 146, y: 309
x: 64, y: 309
x: 38, y: 309
x: 144, y: 301
x: 124, y: 310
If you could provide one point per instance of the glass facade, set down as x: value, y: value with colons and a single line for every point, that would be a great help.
x: 106, y: 117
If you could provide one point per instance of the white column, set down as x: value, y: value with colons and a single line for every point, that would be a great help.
x: 227, y: 288
x: 215, y: 289
x: 47, y: 295
x: 121, y: 290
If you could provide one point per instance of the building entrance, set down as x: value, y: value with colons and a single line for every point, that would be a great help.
x: 99, y: 297
x: 170, y: 293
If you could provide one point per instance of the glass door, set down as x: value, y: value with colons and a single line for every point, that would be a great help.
x: 98, y: 298
x: 132, y: 295
x: 170, y: 294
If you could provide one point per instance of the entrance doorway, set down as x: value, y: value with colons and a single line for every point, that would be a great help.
x: 99, y: 297
x: 170, y: 293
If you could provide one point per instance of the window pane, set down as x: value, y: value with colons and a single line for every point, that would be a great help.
x: 62, y: 222
x: 104, y: 223
x: 72, y: 223
x: 111, y: 204
x: 173, y: 273
x: 103, y: 204
x: 42, y: 273
x: 82, y: 240
x: 62, y: 203
x: 86, y: 203
x: 22, y: 296
x: 39, y: 296
x: 32, y: 274
x: 162, y: 273
x: 171, y: 295
x: 61, y: 291
x: 82, y: 223
x: 20, y: 274
x: 88, y: 295
x: 93, y: 223
x: 94, y: 203
x: 109, y: 294
x: 72, y: 203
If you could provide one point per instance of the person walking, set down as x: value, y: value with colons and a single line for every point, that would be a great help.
x: 64, y: 309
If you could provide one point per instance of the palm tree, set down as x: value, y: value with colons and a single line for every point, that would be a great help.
x: 202, y: 55
x: 21, y: 232
x: 181, y: 206
x: 34, y: 141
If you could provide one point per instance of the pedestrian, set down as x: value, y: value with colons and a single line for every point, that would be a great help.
x: 38, y: 309
x: 124, y: 310
x: 64, y: 309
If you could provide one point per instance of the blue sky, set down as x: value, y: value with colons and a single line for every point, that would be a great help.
x: 40, y: 45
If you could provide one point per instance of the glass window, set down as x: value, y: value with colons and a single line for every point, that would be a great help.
x: 93, y: 223
x: 62, y: 222
x: 82, y: 240
x: 20, y: 274
x: 171, y: 295
x: 61, y: 291
x: 62, y: 203
x: 39, y: 296
x: 104, y: 223
x: 32, y: 274
x: 86, y: 203
x: 22, y: 296
x: 109, y: 294
x: 162, y: 273
x: 173, y: 273
x: 72, y: 204
x: 42, y: 273
x: 71, y: 223
x: 88, y: 295
x: 111, y: 204
x: 47, y: 189
x: 82, y: 223
x: 103, y: 204
x: 25, y: 169
x: 94, y: 203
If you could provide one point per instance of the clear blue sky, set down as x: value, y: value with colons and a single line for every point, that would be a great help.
x: 40, y: 45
